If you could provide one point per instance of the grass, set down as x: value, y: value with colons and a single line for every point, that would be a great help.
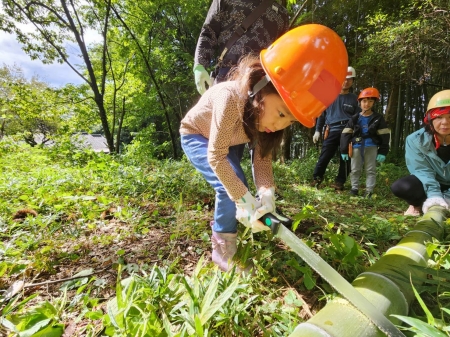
x: 141, y: 234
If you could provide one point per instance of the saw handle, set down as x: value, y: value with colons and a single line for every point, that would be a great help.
x: 273, y: 221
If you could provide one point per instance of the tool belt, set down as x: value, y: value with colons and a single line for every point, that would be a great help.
x: 326, y: 132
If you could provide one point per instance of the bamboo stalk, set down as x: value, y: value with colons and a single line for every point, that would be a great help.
x: 386, y: 285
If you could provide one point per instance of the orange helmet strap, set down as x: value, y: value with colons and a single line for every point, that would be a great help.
x: 258, y: 86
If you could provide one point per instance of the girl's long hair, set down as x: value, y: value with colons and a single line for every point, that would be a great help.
x: 247, y: 73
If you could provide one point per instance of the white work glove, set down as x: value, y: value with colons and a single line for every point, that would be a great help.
x: 434, y: 201
x: 247, y: 213
x: 316, y: 137
x: 201, y: 78
x: 267, y: 199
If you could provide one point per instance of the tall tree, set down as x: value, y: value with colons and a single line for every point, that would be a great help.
x: 55, y: 24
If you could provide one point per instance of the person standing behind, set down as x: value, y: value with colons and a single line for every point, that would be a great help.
x: 223, y: 19
x: 369, y: 137
x: 335, y: 117
x: 427, y: 158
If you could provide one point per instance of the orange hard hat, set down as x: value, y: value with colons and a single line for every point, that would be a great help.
x: 307, y: 65
x: 369, y: 93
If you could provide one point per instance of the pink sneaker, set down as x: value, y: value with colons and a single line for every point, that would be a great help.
x: 413, y: 210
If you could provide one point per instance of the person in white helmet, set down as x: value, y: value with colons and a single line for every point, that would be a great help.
x: 332, y: 121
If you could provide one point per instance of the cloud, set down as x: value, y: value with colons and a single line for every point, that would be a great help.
x: 55, y: 75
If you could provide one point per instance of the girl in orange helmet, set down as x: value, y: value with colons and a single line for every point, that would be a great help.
x: 293, y: 80
x: 369, y: 137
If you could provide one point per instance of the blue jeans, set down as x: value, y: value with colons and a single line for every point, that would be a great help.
x: 196, y: 149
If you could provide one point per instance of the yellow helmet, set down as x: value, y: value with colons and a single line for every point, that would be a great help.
x: 439, y: 100
x: 307, y: 65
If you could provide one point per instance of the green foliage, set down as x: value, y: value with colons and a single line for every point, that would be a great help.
x: 435, y: 298
x: 71, y: 189
x: 39, y: 321
x: 29, y: 109
x: 209, y: 303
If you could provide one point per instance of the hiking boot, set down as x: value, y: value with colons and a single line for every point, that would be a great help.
x: 354, y: 192
x: 338, y: 186
x: 368, y: 195
x: 316, y: 182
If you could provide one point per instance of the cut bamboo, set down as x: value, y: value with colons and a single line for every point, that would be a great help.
x: 386, y: 285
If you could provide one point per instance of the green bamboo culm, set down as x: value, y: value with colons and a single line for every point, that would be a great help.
x: 386, y: 285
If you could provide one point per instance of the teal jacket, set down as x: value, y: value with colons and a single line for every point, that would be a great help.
x: 422, y: 161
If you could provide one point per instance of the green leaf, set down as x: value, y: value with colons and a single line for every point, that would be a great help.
x: 210, y: 293
x: 429, y: 315
x: 291, y: 299
x: 198, y: 326
x: 219, y: 301
x: 35, y: 328
x: 431, y: 247
x: 421, y: 326
x: 51, y: 331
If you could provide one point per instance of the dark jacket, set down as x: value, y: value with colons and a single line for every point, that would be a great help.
x: 220, y: 23
x: 338, y: 113
x: 378, y: 131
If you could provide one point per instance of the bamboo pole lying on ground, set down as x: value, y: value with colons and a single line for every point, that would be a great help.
x: 386, y: 284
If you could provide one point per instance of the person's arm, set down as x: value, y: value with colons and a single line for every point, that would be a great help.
x: 384, y: 135
x: 263, y: 171
x: 225, y: 118
x: 346, y: 137
x: 419, y: 166
x: 321, y: 121
x: 208, y: 40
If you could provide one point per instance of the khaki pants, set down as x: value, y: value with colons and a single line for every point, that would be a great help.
x: 369, y: 160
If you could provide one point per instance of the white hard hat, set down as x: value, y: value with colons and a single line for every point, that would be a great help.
x: 351, y: 73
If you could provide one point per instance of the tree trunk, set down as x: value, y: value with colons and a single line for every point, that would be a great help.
x: 285, y: 150
x: 391, y: 114
x: 119, y: 127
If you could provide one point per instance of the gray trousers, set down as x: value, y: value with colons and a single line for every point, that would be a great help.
x: 370, y: 165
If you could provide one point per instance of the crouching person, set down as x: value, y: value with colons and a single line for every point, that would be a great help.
x: 264, y: 96
x: 427, y: 158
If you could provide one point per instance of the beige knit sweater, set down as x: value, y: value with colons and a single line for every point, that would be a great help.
x: 218, y: 117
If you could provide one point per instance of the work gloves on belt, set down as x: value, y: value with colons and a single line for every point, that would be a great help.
x: 201, y: 79
x: 316, y: 137
x: 249, y: 209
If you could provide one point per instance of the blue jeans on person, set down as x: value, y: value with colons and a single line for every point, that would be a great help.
x: 196, y: 149
x: 329, y: 148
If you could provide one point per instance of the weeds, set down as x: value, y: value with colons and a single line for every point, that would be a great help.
x: 149, y: 221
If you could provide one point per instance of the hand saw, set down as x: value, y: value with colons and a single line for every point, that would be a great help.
x: 329, y: 274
